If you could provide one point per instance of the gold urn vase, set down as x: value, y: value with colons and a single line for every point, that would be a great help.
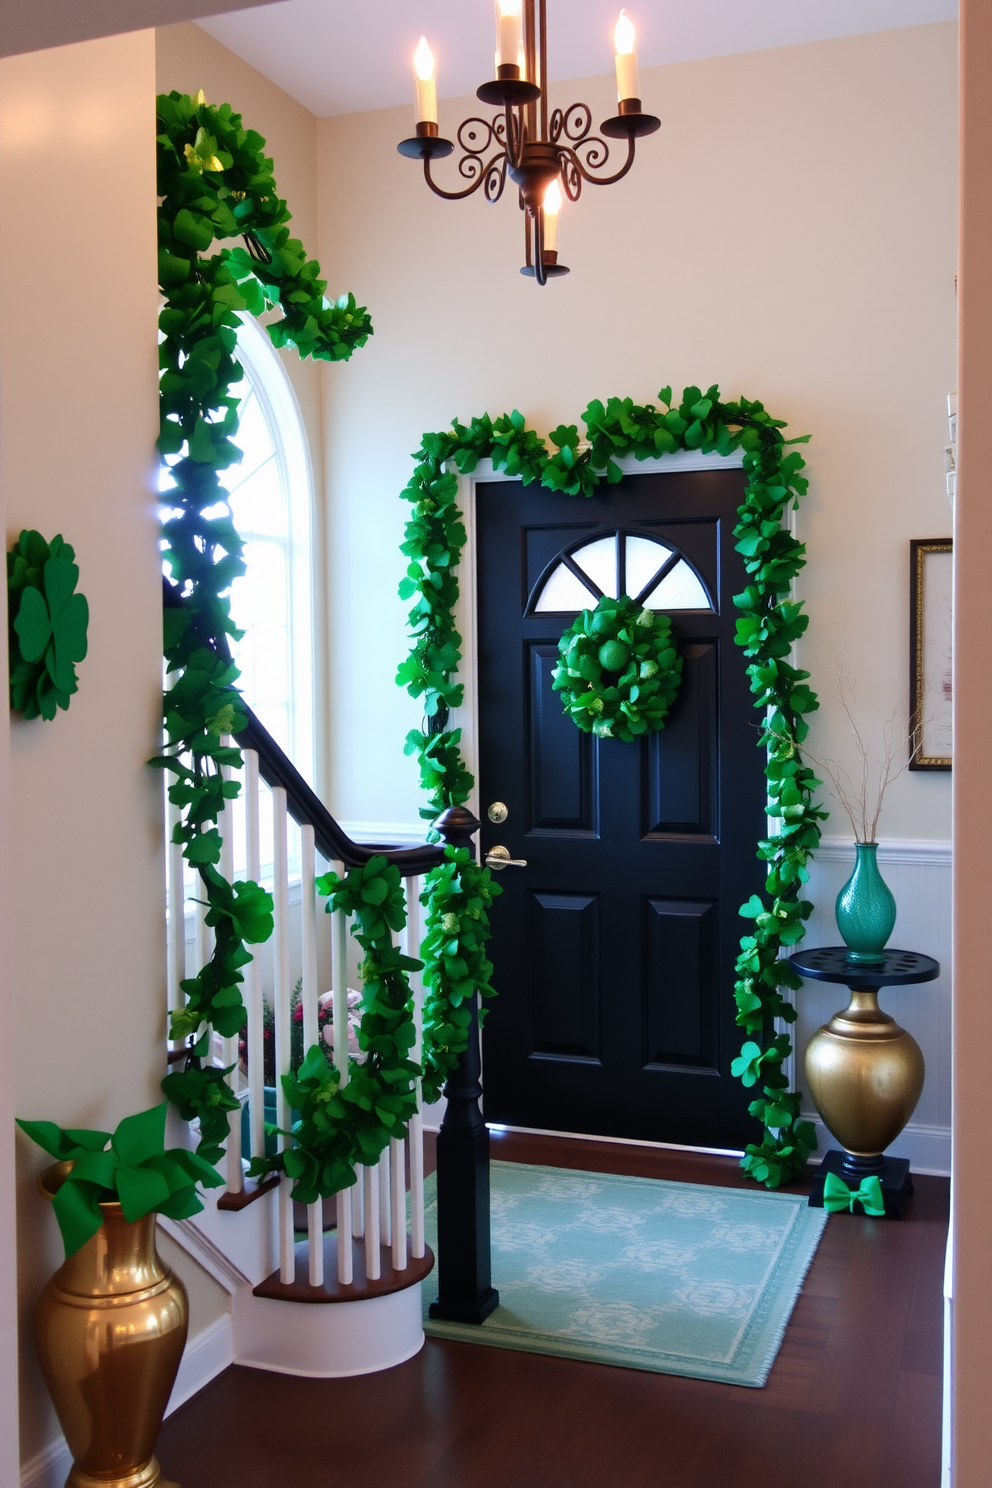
x: 865, y: 1075
x: 111, y: 1328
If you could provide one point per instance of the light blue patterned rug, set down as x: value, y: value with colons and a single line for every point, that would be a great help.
x: 678, y: 1278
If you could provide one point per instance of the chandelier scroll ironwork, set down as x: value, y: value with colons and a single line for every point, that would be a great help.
x: 546, y: 158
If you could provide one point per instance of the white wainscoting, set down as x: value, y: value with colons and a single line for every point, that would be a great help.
x: 919, y: 875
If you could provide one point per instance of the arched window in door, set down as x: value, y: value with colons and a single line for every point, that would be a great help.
x: 654, y: 573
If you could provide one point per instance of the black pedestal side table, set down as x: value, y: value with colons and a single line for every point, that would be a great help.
x: 865, y: 1073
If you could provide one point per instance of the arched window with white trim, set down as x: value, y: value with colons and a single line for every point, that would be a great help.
x: 270, y: 494
x: 270, y: 499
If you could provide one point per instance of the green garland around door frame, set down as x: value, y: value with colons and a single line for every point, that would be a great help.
x: 645, y: 666
x: 47, y: 624
x: 770, y: 624
x: 215, y: 183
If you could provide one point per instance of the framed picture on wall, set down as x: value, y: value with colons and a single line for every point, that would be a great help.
x: 930, y: 610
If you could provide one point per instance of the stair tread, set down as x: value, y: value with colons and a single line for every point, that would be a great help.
x: 300, y: 1290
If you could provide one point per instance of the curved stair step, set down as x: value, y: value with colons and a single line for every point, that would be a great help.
x: 300, y: 1290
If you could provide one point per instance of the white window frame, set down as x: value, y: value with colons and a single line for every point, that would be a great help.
x: 274, y: 391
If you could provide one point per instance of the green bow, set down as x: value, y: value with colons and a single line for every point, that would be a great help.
x: 837, y: 1195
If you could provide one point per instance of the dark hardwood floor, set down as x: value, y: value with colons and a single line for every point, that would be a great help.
x: 853, y: 1399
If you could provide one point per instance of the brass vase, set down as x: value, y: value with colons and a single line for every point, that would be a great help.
x: 111, y: 1328
x: 865, y: 1075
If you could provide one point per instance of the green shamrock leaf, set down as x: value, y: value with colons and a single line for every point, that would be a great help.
x: 49, y: 621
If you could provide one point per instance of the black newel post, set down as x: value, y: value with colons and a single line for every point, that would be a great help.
x: 465, y: 1290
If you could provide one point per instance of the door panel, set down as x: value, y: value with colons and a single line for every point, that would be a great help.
x: 679, y: 984
x: 681, y: 794
x: 614, y: 949
x: 564, y: 975
x: 562, y: 779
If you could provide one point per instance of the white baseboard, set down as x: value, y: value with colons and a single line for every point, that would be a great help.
x: 927, y: 1147
x: 537, y: 1131
x: 205, y: 1356
x: 49, y: 1468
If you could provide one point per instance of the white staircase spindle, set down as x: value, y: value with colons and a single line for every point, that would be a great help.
x: 346, y: 1264
x: 235, y: 1172
x: 385, y: 1205
x: 373, y: 1255
x: 308, y: 855
x: 339, y: 966
x: 358, y: 1211
x: 311, y: 1031
x: 282, y: 994
x: 415, y: 1129
x: 315, y: 1242
x: 252, y: 974
x: 398, y: 1171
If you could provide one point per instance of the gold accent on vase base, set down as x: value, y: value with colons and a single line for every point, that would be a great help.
x: 111, y: 1327
x: 149, y: 1475
x: 865, y: 1075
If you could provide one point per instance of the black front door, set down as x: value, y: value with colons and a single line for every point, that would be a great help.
x: 614, y: 948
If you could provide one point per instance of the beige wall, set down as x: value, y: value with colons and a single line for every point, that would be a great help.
x: 79, y: 418
x: 188, y: 59
x: 790, y: 234
x: 972, y: 1205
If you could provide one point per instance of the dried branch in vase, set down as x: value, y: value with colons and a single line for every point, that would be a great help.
x: 861, y: 793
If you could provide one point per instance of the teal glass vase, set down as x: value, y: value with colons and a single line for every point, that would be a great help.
x: 866, y: 909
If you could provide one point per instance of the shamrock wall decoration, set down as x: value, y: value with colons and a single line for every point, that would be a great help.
x: 47, y: 624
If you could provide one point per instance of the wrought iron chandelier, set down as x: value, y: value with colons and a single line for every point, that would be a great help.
x: 543, y: 158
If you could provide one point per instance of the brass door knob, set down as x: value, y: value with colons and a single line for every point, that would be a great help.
x: 498, y: 812
x: 498, y: 858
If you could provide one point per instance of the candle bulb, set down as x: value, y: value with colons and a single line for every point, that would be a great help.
x: 509, y: 36
x: 625, y: 55
x: 423, y: 72
x: 552, y: 206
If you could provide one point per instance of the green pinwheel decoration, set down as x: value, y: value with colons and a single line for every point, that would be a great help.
x: 130, y: 1167
x: 48, y: 622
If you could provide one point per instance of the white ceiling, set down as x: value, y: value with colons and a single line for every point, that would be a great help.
x: 345, y: 56
x: 30, y: 25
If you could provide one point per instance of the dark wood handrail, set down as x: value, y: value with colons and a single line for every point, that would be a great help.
x: 456, y: 825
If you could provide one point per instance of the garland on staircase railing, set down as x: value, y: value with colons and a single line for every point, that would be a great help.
x: 343, y: 1124
x: 769, y: 626
x: 215, y: 183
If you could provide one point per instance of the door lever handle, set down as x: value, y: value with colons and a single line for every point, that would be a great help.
x: 498, y: 858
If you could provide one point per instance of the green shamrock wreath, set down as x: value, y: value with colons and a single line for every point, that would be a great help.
x: 619, y: 671
x: 47, y: 624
